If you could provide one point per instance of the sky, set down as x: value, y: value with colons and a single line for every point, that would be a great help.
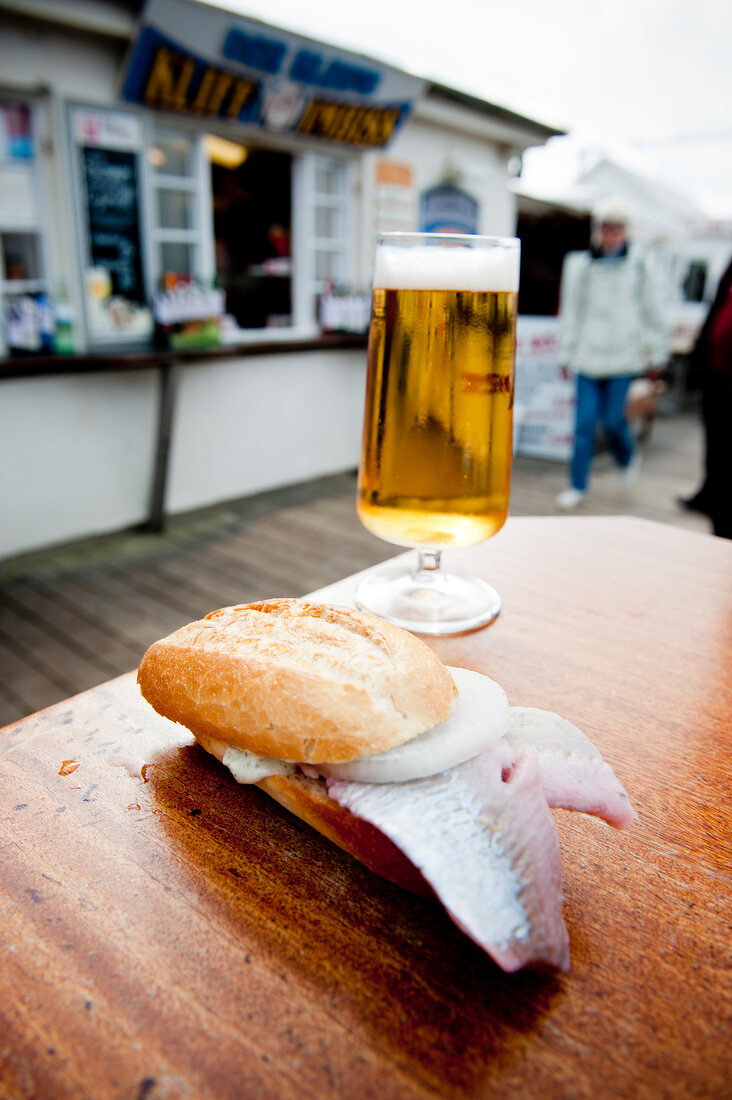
x: 647, y: 82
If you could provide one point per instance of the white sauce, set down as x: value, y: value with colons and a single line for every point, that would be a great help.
x: 479, y: 717
x: 247, y: 767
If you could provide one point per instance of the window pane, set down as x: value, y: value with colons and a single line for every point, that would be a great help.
x: 695, y: 281
x: 328, y: 176
x: 172, y: 154
x: 175, y: 209
x: 21, y: 255
x: 327, y: 265
x: 177, y: 259
x: 327, y: 222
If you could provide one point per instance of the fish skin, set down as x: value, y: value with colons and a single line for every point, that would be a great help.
x: 573, y: 773
x: 505, y: 892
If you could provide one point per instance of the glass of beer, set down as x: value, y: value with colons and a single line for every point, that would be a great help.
x: 437, y: 440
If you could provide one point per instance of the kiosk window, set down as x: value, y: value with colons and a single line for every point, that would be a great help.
x: 252, y: 205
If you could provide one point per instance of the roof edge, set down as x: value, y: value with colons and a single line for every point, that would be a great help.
x: 492, y: 110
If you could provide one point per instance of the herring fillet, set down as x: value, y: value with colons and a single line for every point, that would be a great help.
x: 482, y: 835
x: 573, y: 772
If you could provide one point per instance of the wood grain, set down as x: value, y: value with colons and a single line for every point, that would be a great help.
x: 167, y: 933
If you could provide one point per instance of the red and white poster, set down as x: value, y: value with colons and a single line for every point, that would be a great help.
x: 544, y: 401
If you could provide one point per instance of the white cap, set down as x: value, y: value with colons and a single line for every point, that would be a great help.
x: 611, y: 209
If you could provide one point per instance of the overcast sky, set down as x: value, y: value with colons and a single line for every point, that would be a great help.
x: 648, y: 81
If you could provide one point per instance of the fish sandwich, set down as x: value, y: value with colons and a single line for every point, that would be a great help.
x: 422, y: 772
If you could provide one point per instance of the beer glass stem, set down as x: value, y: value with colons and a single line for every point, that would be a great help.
x: 428, y: 565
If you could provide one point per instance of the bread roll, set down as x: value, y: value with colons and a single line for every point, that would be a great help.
x: 309, y: 683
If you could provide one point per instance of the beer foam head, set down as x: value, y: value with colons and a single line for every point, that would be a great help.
x: 452, y: 266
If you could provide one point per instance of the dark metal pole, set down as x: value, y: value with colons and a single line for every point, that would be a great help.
x: 166, y: 407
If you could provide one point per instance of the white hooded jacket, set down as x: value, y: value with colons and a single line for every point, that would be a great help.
x: 612, y: 317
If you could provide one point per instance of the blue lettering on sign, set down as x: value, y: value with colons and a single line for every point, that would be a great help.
x: 265, y: 54
x: 311, y: 68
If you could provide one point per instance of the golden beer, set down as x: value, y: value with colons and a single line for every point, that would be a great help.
x: 437, y: 443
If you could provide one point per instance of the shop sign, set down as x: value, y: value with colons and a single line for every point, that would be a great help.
x: 447, y: 209
x: 210, y: 63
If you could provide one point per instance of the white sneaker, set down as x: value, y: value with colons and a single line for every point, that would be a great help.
x: 568, y: 499
x: 629, y: 473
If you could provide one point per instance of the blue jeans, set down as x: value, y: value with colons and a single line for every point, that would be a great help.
x: 600, y: 399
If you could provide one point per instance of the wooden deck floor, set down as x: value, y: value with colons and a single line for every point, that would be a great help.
x: 73, y: 617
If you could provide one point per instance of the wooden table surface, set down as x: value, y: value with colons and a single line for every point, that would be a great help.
x: 167, y: 933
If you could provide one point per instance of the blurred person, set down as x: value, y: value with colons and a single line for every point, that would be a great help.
x: 612, y: 328
x: 711, y: 361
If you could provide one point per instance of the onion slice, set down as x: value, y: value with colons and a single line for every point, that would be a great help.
x: 479, y: 717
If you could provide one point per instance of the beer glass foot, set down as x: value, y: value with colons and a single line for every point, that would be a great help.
x: 426, y: 600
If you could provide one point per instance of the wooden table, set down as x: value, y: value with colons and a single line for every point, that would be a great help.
x: 166, y: 933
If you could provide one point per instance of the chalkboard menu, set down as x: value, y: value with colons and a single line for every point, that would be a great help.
x: 110, y: 177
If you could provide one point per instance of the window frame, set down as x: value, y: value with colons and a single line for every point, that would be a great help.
x: 309, y: 244
x: 198, y: 184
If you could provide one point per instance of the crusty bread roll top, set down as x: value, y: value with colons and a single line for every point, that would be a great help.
x: 309, y: 683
